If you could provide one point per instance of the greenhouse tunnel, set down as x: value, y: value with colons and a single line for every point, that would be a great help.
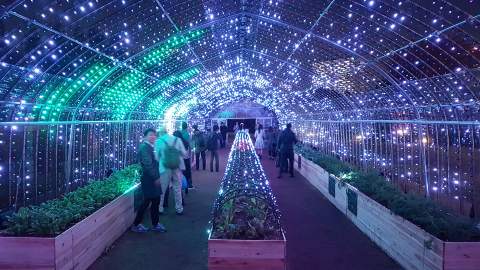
x: 382, y: 95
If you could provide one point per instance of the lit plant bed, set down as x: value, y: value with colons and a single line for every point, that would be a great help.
x: 413, y: 230
x: 246, y: 231
x: 73, y: 231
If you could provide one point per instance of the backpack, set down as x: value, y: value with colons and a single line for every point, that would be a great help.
x: 171, y: 158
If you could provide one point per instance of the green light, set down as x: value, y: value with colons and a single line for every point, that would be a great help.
x: 57, y: 98
x: 160, y: 106
x: 130, y: 88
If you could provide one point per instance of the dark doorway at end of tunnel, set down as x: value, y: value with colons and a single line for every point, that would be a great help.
x: 247, y: 123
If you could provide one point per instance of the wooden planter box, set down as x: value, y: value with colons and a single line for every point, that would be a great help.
x: 76, y: 248
x: 226, y: 254
x: 409, y: 245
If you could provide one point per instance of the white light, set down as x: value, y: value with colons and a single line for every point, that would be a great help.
x: 37, y: 70
x: 66, y: 18
x: 54, y: 56
x: 371, y: 3
x: 82, y: 9
x: 90, y: 4
x: 392, y: 26
x: 7, y: 41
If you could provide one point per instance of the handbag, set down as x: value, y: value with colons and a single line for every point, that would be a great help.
x: 184, y: 182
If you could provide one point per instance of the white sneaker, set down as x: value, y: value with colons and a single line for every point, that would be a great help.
x: 139, y: 228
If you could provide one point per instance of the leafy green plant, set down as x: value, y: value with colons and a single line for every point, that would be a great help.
x: 53, y: 217
x: 245, y: 217
x: 421, y: 211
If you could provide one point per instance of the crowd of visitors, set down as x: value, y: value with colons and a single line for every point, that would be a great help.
x: 166, y: 162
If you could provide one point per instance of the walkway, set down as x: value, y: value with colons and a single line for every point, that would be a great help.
x: 318, y: 235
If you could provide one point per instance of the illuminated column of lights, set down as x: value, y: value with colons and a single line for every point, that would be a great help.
x: 245, y: 181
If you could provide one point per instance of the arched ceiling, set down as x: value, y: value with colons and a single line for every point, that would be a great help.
x: 130, y: 59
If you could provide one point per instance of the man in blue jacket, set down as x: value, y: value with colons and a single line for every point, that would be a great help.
x: 150, y: 183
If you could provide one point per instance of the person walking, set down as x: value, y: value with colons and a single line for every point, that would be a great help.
x: 186, y: 159
x: 150, y: 184
x: 170, y: 153
x: 199, y: 146
x: 212, y: 145
x: 223, y: 132
x: 259, y: 140
x: 285, y: 143
x: 183, y: 177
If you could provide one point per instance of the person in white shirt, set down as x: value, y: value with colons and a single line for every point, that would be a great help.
x: 167, y: 175
x: 259, y: 143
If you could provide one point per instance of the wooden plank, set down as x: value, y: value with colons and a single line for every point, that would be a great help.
x: 63, y: 250
x: 252, y: 249
x: 245, y: 254
x: 27, y: 253
x: 462, y: 256
x: 97, y: 232
x: 242, y: 264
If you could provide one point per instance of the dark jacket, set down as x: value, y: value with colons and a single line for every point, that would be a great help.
x: 199, y: 142
x: 150, y: 171
x: 223, y: 130
x: 213, y: 142
x: 286, y: 141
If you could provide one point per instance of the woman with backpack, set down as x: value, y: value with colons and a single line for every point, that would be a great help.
x: 169, y: 152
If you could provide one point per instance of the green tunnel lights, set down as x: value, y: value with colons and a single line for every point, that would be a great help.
x: 124, y: 101
x: 158, y: 108
x: 131, y: 87
x: 125, y: 92
x: 54, y: 100
x: 167, y: 48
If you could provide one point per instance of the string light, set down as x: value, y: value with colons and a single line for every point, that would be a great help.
x: 370, y: 60
x: 245, y: 183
